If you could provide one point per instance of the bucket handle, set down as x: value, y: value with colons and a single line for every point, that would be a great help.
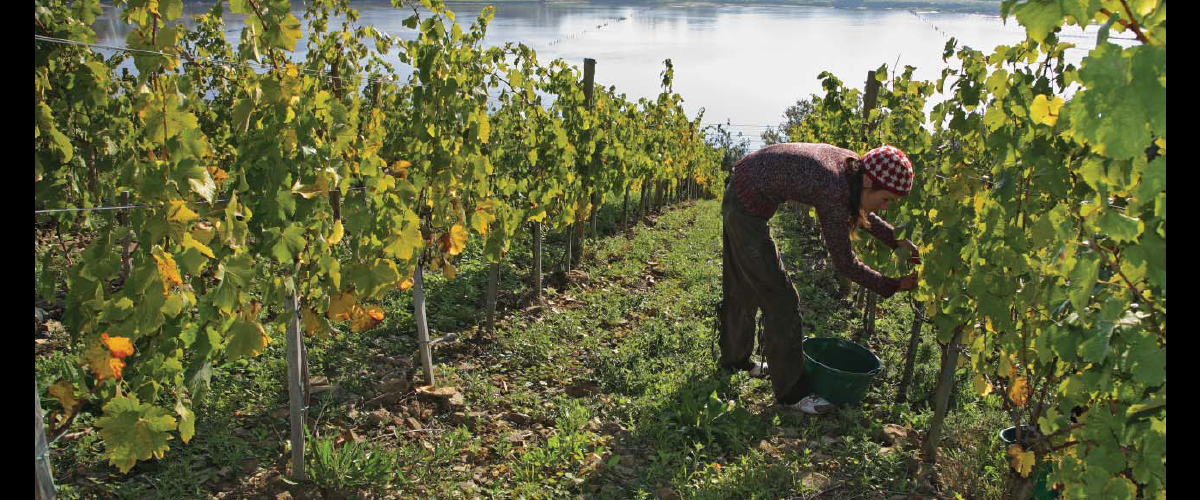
x: 875, y: 371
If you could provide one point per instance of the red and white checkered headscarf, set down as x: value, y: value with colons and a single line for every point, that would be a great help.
x: 889, y: 168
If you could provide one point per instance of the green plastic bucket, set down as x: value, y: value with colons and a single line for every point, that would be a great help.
x: 1041, y: 490
x: 839, y: 370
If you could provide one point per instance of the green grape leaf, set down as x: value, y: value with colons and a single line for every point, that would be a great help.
x: 58, y: 140
x: 1039, y: 18
x: 187, y: 422
x: 286, y: 33
x: 1083, y: 278
x: 1153, y: 179
x: 246, y: 339
x: 133, y: 431
x: 1151, y: 251
x: 1119, y: 227
x: 235, y: 274
x: 1095, y: 348
x: 290, y: 244
x: 170, y: 9
x: 240, y: 7
x: 168, y: 119
x: 407, y: 240
x: 1149, y: 68
x: 1148, y: 361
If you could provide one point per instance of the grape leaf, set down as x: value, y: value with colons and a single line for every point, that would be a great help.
x: 133, y: 431
x: 246, y: 339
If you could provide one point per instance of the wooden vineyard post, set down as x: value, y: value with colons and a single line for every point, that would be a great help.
x: 845, y: 286
x: 296, y: 382
x: 872, y: 301
x: 493, y: 282
x: 625, y: 211
x: 123, y: 220
x: 643, y: 201
x: 911, y: 356
x: 595, y: 215
x: 872, y: 95
x: 567, y: 255
x: 869, y: 101
x: 941, y: 403
x: 589, y: 85
x: 914, y: 338
x: 44, y: 487
x: 537, y: 259
x: 422, y: 323
x: 868, y: 319
x: 660, y: 191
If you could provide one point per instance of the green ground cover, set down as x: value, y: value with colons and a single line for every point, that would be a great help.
x: 607, y: 389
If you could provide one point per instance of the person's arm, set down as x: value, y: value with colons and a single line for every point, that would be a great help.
x: 887, y: 234
x: 881, y: 230
x: 836, y: 231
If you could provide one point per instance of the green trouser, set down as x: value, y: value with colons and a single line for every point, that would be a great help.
x: 754, y: 278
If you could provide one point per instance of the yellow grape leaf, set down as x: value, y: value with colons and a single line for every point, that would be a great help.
x: 250, y: 311
x: 582, y: 208
x: 102, y: 363
x: 1045, y: 110
x: 115, y: 365
x: 1019, y: 391
x: 1006, y: 365
x: 120, y: 347
x: 366, y: 319
x: 448, y: 270
x: 341, y: 306
x: 203, y: 233
x: 312, y: 322
x: 405, y: 241
x: 405, y: 285
x: 219, y: 176
x: 177, y: 211
x: 980, y: 201
x: 308, y: 191
x: 167, y: 270
x: 484, y: 215
x: 982, y: 386
x: 1023, y: 461
x: 338, y: 232
x: 65, y: 394
x: 400, y: 168
x: 190, y: 242
x: 454, y: 241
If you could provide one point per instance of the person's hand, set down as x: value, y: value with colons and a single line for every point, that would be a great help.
x: 908, y: 282
x: 916, y: 255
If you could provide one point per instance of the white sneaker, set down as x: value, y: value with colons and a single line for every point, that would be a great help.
x: 813, y: 404
x: 759, y: 370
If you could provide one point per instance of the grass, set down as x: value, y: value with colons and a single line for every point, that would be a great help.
x: 608, y: 389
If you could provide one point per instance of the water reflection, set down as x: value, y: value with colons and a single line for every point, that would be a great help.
x: 744, y: 64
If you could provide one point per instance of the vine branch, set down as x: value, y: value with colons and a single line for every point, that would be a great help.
x: 1131, y: 25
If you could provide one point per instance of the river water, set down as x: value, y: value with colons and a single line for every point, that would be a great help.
x: 742, y: 64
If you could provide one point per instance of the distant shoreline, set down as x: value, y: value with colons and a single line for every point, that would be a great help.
x: 985, y: 7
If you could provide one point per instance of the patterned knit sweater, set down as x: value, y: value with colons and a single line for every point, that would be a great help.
x: 813, y: 174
